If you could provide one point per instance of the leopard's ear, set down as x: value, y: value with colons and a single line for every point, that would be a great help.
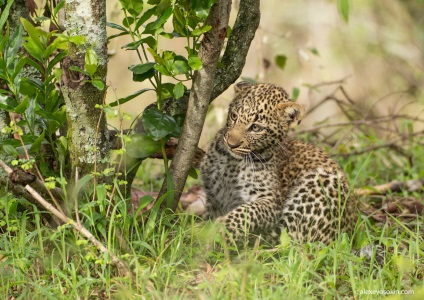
x: 242, y: 85
x: 291, y: 112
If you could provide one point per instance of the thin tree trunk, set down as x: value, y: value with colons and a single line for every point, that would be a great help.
x: 210, y: 77
x: 87, y: 131
x: 199, y: 97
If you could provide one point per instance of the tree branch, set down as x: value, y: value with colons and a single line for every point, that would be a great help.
x: 81, y: 229
x: 200, y: 95
x: 394, y: 186
x: 238, y: 45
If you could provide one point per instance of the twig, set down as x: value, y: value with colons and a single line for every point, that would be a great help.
x: 394, y: 186
x: 81, y: 229
x: 23, y: 178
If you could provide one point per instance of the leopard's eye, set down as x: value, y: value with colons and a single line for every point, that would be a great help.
x: 233, y: 116
x: 256, y: 128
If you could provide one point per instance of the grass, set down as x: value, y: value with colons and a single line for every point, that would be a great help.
x: 177, y: 257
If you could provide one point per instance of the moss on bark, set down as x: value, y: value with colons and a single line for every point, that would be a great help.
x: 87, y: 131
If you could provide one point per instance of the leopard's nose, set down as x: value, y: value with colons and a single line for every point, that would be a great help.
x: 233, y: 139
x: 233, y: 144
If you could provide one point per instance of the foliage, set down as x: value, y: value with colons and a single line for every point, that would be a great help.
x: 145, y: 22
x: 30, y: 81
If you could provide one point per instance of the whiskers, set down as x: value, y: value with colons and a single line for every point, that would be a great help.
x: 283, y: 147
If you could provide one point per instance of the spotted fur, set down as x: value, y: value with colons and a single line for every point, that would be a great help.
x: 257, y: 179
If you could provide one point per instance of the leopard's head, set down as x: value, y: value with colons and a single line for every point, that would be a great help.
x: 259, y: 117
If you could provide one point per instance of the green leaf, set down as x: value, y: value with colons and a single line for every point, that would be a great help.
x: 34, y: 51
x: 179, y: 22
x: 146, y: 75
x: 201, y: 7
x: 142, y: 68
x: 21, y: 108
x: 146, y: 15
x: 116, y: 35
x: 36, y: 35
x: 58, y: 58
x: 163, y: 70
x: 78, y: 69
x: 151, y: 42
x: 8, y: 103
x: 157, y: 124
x: 280, y: 61
x: 295, y: 93
x: 180, y: 67
x: 314, y: 51
x: 201, y: 30
x: 98, y: 84
x: 77, y: 39
x: 179, y: 119
x: 134, y: 7
x: 166, y: 90
x: 142, y: 146
x: 91, y: 61
x: 162, y: 7
x: 80, y: 184
x: 179, y: 90
x: 159, y: 22
x: 128, y: 21
x: 123, y: 100
x: 5, y: 14
x: 193, y: 173
x: 132, y: 45
x: 13, y: 44
x: 58, y: 7
x: 35, y: 147
x: 343, y: 6
x: 116, y: 26
x: 10, y: 150
x: 195, y: 62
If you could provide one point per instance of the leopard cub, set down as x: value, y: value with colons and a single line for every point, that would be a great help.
x: 258, y: 179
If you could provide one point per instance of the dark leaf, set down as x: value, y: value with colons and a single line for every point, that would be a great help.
x: 129, y: 97
x: 35, y: 147
x: 116, y: 26
x: 142, y: 68
x: 146, y: 16
x: 8, y: 103
x: 280, y: 61
x: 160, y: 21
x: 157, y: 124
x: 146, y: 75
x: 201, y: 7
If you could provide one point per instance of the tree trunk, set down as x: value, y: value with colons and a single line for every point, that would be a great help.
x: 209, y: 77
x: 87, y: 130
x: 200, y: 95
